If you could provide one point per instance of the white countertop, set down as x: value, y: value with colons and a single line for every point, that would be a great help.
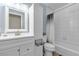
x: 13, y: 37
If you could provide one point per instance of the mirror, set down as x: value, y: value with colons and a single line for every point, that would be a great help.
x: 14, y: 21
x: 17, y: 19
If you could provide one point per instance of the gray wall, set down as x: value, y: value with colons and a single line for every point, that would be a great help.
x: 2, y: 19
x: 38, y: 27
x: 38, y: 21
x: 67, y: 30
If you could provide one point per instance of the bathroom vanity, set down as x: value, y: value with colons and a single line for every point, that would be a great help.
x: 20, y: 26
x: 17, y: 47
x: 17, y: 30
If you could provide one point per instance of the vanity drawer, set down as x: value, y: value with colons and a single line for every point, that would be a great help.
x: 29, y: 54
x: 26, y: 48
x: 13, y: 51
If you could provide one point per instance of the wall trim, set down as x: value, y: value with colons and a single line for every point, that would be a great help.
x: 66, y: 6
x: 66, y: 51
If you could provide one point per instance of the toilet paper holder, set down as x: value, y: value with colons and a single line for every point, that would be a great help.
x: 39, y: 42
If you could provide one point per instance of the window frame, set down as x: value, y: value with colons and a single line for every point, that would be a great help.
x: 7, y: 20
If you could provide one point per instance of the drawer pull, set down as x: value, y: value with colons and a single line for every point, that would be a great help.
x: 28, y: 49
x: 18, y: 50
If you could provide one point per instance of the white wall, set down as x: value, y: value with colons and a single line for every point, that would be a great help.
x: 48, y: 10
x: 51, y: 7
x: 38, y: 21
x: 2, y: 19
x: 38, y: 28
x: 67, y: 30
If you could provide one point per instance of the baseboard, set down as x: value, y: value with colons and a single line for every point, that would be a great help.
x: 66, y: 51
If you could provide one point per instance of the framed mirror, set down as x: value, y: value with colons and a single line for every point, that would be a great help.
x: 16, y: 20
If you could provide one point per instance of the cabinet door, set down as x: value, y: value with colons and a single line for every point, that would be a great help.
x: 38, y: 51
x: 27, y: 49
x: 28, y: 53
x: 9, y: 52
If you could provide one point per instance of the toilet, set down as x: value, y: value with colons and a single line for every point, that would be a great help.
x: 49, y: 49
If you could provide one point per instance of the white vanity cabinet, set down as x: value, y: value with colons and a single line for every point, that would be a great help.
x: 15, y: 28
x: 16, y: 51
x: 10, y: 52
x: 27, y: 49
x: 19, y: 47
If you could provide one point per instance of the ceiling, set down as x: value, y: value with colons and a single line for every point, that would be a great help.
x: 54, y: 6
x: 50, y: 7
